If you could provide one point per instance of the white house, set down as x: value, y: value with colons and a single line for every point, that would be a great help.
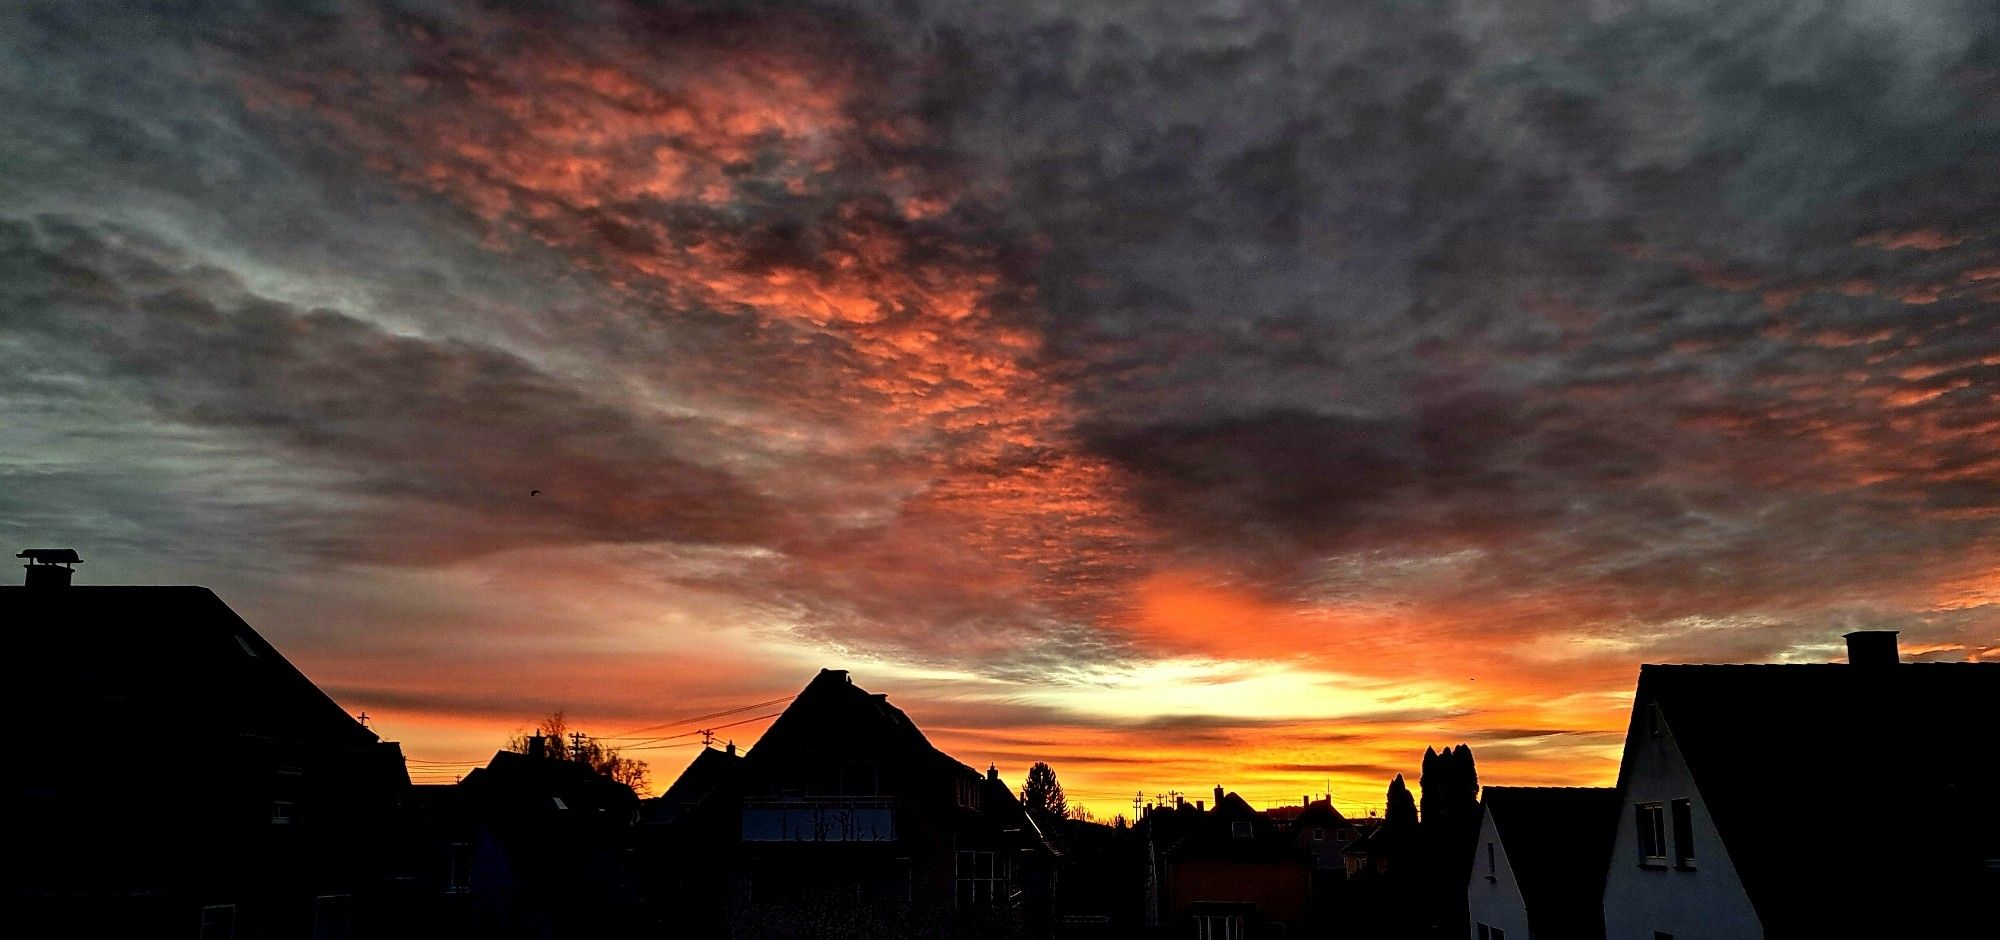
x: 1757, y: 801
x: 1538, y: 871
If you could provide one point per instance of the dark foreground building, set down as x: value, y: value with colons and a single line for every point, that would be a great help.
x: 1749, y: 798
x: 845, y: 820
x: 529, y: 847
x: 244, y: 803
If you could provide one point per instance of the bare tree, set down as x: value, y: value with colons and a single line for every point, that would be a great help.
x: 561, y: 743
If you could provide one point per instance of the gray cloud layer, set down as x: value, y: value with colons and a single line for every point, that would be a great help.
x: 1681, y: 314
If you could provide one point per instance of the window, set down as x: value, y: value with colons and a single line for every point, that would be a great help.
x: 984, y: 879
x: 1218, y: 927
x: 1492, y: 865
x: 1318, y: 834
x: 1239, y: 830
x: 330, y: 916
x: 559, y: 802
x: 1683, y: 811
x: 1491, y: 933
x: 458, y: 869
x: 285, y: 788
x: 967, y: 793
x: 1652, y: 820
x: 218, y: 922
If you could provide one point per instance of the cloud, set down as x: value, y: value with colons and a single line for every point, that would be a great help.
x: 1466, y: 352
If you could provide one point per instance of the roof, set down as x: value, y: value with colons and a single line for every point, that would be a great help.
x: 1211, y: 836
x: 1558, y: 842
x: 51, y: 556
x: 708, y: 768
x: 108, y: 656
x: 833, y: 712
x: 525, y: 786
x: 1787, y: 757
x: 1321, y: 814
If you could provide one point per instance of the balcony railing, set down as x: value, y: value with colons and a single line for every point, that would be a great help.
x: 820, y: 819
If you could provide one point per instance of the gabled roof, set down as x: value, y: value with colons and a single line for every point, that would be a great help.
x: 529, y: 787
x: 833, y: 714
x: 709, y: 768
x: 1321, y: 814
x: 1558, y: 842
x: 1789, y: 759
x: 1211, y: 835
x: 125, y: 654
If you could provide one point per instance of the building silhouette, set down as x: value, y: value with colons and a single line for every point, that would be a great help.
x: 844, y: 817
x: 245, y: 804
x: 1538, y: 865
x: 1808, y: 800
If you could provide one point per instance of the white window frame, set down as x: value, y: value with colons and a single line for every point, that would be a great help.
x: 1218, y: 927
x: 1650, y: 819
x: 982, y: 888
x: 210, y: 913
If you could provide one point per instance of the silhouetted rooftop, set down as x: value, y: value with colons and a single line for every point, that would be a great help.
x: 110, y: 657
x: 1787, y: 757
x: 1558, y: 842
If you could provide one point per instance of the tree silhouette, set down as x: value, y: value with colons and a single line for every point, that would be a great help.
x: 1450, y: 834
x: 1042, y: 794
x: 560, y: 743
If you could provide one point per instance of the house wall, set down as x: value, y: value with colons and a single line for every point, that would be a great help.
x: 1281, y: 892
x: 1705, y: 902
x: 1496, y: 902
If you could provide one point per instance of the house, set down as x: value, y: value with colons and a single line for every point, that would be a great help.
x: 710, y: 769
x: 529, y: 846
x: 1538, y: 867
x: 1364, y: 853
x: 239, y: 801
x: 1752, y: 800
x: 844, y: 816
x: 1225, y: 872
x: 1322, y: 832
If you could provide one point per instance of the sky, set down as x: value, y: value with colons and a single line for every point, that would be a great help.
x: 1239, y: 393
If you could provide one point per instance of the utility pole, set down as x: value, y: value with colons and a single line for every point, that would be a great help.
x: 576, y: 746
x: 707, y: 738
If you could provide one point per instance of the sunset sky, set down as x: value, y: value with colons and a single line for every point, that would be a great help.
x: 1241, y: 393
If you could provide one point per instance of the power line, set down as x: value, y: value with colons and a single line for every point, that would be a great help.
x: 684, y: 734
x: 635, y: 732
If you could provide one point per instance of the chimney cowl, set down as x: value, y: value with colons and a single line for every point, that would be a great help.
x: 50, y: 567
x: 1872, y: 648
x: 1218, y: 796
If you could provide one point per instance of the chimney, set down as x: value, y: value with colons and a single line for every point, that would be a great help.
x: 1218, y: 796
x: 537, y: 746
x: 1872, y: 648
x: 992, y: 772
x: 731, y: 749
x: 1305, y: 801
x: 1199, y: 807
x: 49, y: 567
